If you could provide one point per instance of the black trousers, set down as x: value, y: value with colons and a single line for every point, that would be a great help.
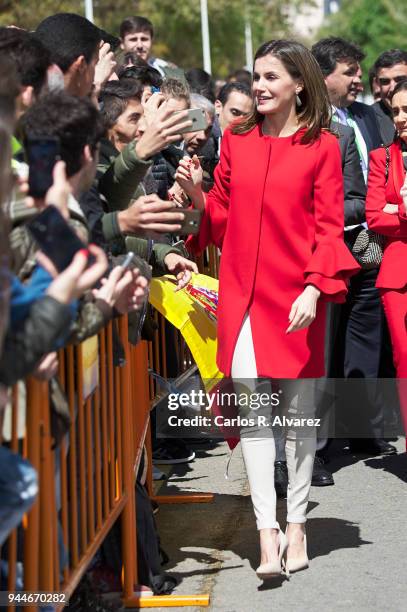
x: 358, y: 348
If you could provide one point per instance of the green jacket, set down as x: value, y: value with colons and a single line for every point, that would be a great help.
x: 120, y: 178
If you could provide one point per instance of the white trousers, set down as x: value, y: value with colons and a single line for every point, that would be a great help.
x: 259, y: 449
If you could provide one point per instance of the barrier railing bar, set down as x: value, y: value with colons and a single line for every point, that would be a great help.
x: 99, y: 467
x: 118, y: 457
x: 72, y: 458
x: 31, y: 539
x: 82, y: 453
x: 112, y: 428
x: 75, y: 576
x: 128, y: 518
x: 103, y: 396
x: 64, y: 501
x: 163, y: 347
x: 46, y: 495
x: 90, y: 489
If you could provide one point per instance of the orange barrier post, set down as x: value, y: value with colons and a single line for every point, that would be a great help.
x: 97, y: 464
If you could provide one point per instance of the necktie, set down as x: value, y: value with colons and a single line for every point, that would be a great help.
x: 343, y: 115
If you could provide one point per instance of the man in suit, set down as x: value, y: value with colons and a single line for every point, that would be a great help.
x: 360, y: 331
x: 390, y: 68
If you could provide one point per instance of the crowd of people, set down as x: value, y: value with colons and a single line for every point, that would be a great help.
x: 291, y: 171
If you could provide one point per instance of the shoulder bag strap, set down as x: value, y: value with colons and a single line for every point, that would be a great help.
x: 387, y: 149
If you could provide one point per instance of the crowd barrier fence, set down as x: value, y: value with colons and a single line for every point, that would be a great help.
x: 87, y: 482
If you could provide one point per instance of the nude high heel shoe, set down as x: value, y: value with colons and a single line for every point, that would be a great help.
x: 274, y: 568
x: 297, y: 564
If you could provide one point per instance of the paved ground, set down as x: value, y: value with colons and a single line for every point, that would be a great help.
x: 357, y: 534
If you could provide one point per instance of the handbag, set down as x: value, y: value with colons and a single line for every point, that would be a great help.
x: 369, y: 246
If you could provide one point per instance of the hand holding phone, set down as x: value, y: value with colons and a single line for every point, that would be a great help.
x: 56, y: 238
x: 79, y: 276
x: 191, y: 222
x: 42, y: 153
x: 127, y: 261
x: 198, y: 118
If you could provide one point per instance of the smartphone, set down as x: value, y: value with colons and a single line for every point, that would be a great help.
x: 191, y: 222
x: 128, y: 260
x: 155, y: 89
x: 55, y: 237
x: 42, y: 154
x: 198, y: 118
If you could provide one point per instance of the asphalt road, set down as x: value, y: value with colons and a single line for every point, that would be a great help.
x: 357, y: 538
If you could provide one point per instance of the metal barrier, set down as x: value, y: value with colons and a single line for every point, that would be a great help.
x: 88, y: 482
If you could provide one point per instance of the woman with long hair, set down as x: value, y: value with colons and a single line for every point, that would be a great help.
x: 386, y: 213
x: 276, y: 211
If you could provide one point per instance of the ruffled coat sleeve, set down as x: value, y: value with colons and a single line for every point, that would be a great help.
x: 214, y: 220
x: 331, y: 263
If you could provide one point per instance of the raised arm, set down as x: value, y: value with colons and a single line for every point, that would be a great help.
x: 214, y: 219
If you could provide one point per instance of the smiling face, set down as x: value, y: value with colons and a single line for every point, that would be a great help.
x: 344, y: 83
x: 387, y: 79
x: 399, y: 108
x: 138, y: 42
x: 128, y: 125
x: 274, y: 90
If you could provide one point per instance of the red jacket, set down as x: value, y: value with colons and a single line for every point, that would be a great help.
x: 276, y: 211
x: 393, y: 270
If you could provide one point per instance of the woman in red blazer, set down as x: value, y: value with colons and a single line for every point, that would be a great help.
x: 386, y: 214
x: 276, y: 211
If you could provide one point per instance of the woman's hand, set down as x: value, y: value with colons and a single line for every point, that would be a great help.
x: 189, y: 176
x: 124, y: 290
x: 177, y: 194
x: 113, y: 286
x: 134, y: 295
x: 403, y: 193
x: 77, y: 278
x: 181, y: 267
x: 391, y: 209
x: 304, y: 309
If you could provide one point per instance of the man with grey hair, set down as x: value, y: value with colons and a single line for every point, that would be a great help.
x: 195, y: 141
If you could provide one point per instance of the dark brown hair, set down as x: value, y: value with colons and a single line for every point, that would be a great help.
x: 135, y: 24
x: 314, y: 113
x: 401, y: 86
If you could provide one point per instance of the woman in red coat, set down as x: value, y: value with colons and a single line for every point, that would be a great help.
x: 386, y: 213
x: 276, y: 211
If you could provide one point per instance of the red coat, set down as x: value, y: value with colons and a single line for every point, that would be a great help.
x: 276, y: 211
x: 393, y: 270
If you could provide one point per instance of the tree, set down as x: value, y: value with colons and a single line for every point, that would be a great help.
x: 375, y: 25
x: 177, y: 24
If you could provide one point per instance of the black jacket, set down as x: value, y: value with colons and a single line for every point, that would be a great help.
x: 365, y: 118
x: 385, y: 121
x: 353, y: 181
